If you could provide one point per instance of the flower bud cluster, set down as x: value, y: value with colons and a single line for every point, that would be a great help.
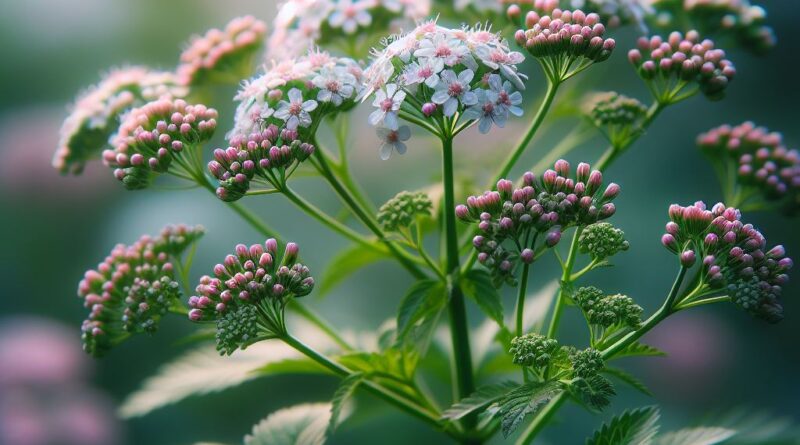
x: 563, y: 39
x: 222, y: 52
x: 403, y: 209
x: 295, y: 94
x: 533, y: 350
x: 738, y: 21
x: 666, y: 65
x: 602, y: 240
x: 263, y: 155
x: 248, y: 293
x: 608, y: 310
x: 615, y: 13
x: 133, y: 288
x: 734, y: 256
x: 762, y: 164
x: 151, y: 136
x: 95, y: 114
x: 448, y: 73
x: 547, y: 205
x: 338, y: 24
x: 620, y: 118
x: 586, y: 363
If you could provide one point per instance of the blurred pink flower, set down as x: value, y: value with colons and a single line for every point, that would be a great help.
x: 39, y: 352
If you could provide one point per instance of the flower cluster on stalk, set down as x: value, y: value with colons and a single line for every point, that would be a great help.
x: 153, y: 137
x: 607, y: 311
x: 676, y: 68
x: 510, y: 220
x: 538, y: 352
x: 403, y: 209
x: 248, y: 293
x: 738, y: 21
x: 620, y: 118
x: 734, y: 257
x: 756, y: 163
x: 565, y: 42
x: 601, y: 241
x: 617, y: 13
x: 345, y: 25
x: 434, y: 76
x: 133, y: 287
x: 95, y: 115
x: 219, y: 53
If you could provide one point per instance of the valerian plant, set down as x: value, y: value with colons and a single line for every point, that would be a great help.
x: 442, y: 80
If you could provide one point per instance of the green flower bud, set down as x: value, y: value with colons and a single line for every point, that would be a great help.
x: 533, y: 350
x: 401, y: 210
x: 608, y: 310
x: 586, y: 363
x: 236, y: 328
x: 602, y: 240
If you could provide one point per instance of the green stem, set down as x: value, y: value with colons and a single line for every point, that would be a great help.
x: 541, y: 419
x: 613, y: 152
x: 665, y: 310
x: 315, y: 319
x: 550, y: 94
x: 373, y: 388
x: 459, y: 329
x: 566, y: 280
x: 520, y: 310
x: 328, y: 220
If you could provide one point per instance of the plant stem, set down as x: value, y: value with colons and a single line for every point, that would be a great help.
x: 520, y: 310
x: 459, y: 329
x: 373, y: 388
x: 541, y: 419
x: 550, y: 94
x: 665, y: 310
x: 566, y: 281
x: 613, y: 152
x: 317, y: 320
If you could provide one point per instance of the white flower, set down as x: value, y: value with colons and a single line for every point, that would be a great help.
x: 335, y: 85
x: 349, y: 14
x: 498, y: 58
x: 425, y: 71
x: 486, y: 111
x: 393, y: 140
x: 453, y: 89
x: 388, y: 101
x: 295, y: 112
x: 508, y: 100
x: 445, y: 47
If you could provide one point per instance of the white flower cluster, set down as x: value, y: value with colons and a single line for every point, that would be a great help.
x: 96, y: 112
x: 301, y: 24
x: 292, y: 94
x: 434, y: 72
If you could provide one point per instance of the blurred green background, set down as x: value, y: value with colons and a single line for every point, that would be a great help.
x: 53, y: 228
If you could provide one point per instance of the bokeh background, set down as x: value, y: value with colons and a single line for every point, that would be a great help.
x: 52, y: 228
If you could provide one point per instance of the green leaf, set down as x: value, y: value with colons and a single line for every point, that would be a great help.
x: 696, y: 436
x: 203, y: 371
x: 346, y: 263
x: 391, y: 361
x: 637, y: 349
x: 481, y: 398
x: 625, y: 377
x: 423, y: 300
x: 522, y: 401
x: 595, y: 391
x: 297, y: 425
x: 340, y: 397
x: 477, y: 285
x: 637, y: 427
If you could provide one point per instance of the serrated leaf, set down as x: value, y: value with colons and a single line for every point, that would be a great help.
x: 477, y: 285
x: 481, y: 398
x: 637, y: 427
x: 344, y: 264
x: 596, y: 391
x: 203, y: 371
x: 696, y: 436
x: 341, y: 396
x: 297, y: 425
x: 637, y: 349
x: 627, y: 378
x: 423, y: 299
x: 523, y: 401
